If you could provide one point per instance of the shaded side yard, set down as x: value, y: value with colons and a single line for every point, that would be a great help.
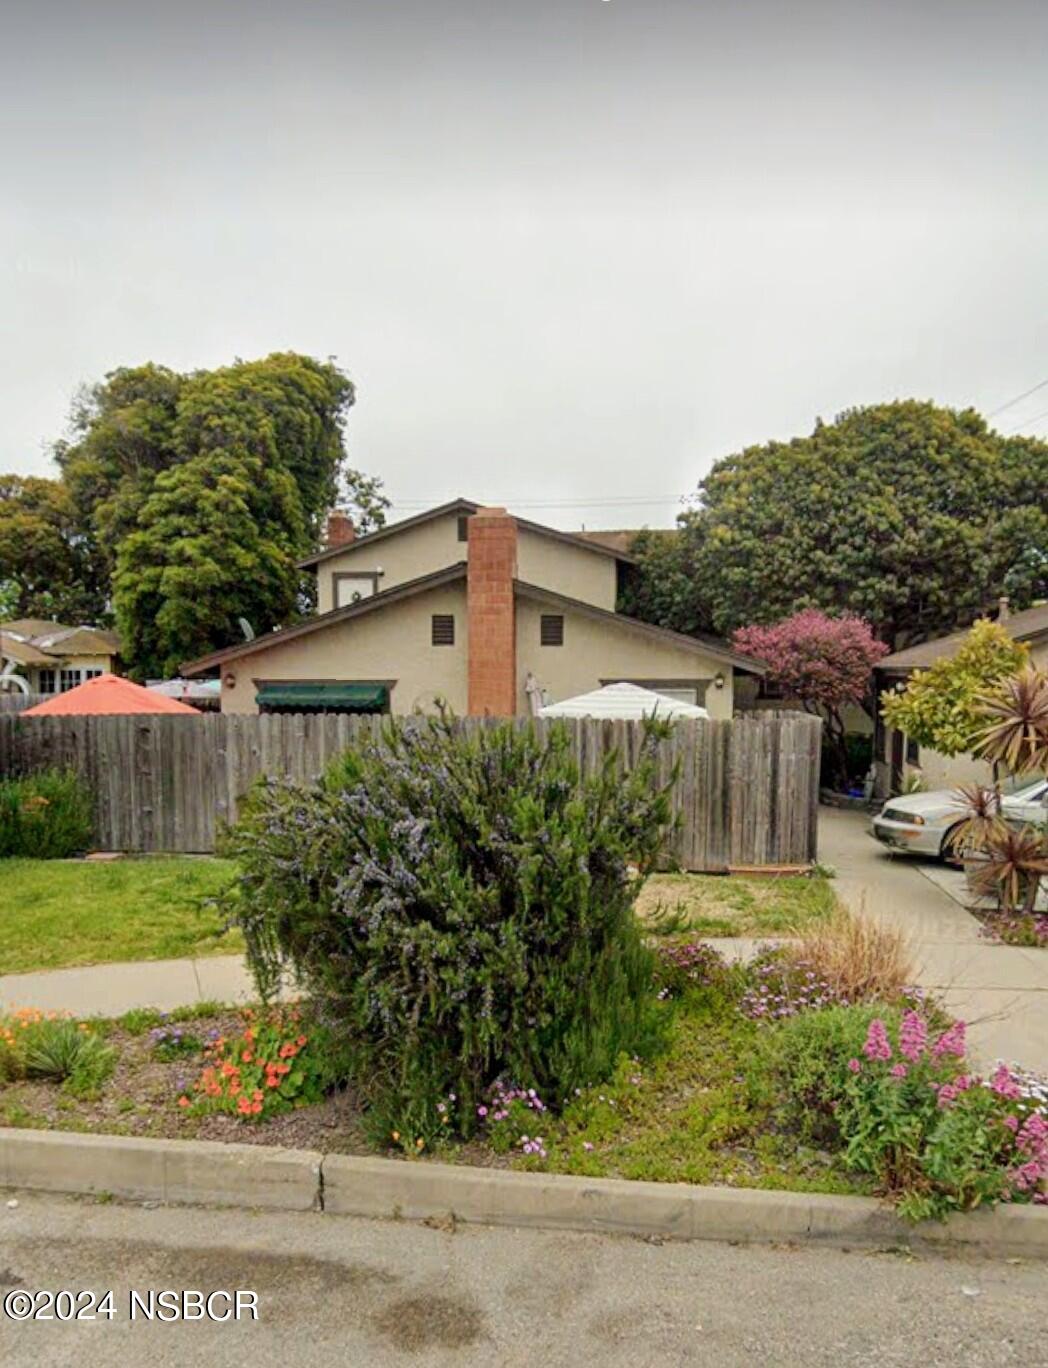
x: 58, y: 913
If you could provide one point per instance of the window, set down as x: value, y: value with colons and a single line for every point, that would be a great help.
x: 913, y: 752
x: 443, y: 629
x: 352, y: 586
x: 46, y: 679
x: 463, y: 527
x: 70, y: 679
x: 92, y: 674
x: 551, y: 629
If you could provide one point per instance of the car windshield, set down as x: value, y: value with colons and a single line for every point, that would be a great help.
x: 1029, y: 794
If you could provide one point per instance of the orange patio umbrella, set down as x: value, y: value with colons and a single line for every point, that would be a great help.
x: 107, y: 694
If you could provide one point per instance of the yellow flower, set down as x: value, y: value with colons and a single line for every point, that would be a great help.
x: 396, y: 1135
x: 420, y: 1143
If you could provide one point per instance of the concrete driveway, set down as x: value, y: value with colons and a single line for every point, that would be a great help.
x: 1001, y: 991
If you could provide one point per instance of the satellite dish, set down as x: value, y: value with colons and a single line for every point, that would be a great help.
x: 247, y: 629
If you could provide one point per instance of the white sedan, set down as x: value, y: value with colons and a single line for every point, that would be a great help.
x: 922, y: 823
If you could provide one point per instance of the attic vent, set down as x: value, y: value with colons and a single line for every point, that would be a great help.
x: 551, y: 629
x: 463, y: 527
x: 443, y: 629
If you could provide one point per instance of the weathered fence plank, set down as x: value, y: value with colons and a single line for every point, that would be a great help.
x: 746, y: 794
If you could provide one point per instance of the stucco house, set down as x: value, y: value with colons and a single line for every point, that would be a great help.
x: 52, y: 658
x: 491, y: 613
x: 896, y: 756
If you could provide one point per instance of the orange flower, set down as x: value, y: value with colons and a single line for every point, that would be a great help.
x: 183, y: 1101
x: 272, y: 1081
x: 256, y: 1107
x: 246, y: 1057
x: 301, y: 1040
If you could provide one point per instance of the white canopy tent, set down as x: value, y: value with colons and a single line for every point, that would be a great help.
x: 628, y: 702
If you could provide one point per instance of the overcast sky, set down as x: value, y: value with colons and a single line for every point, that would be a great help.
x: 570, y: 251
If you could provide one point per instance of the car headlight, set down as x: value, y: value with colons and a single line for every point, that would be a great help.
x: 916, y: 820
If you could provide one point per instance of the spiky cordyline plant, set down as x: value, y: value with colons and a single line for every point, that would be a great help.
x: 982, y: 819
x: 1016, y: 862
x: 1016, y: 723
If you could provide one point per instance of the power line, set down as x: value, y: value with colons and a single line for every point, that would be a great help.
x: 1027, y: 421
x: 1018, y: 398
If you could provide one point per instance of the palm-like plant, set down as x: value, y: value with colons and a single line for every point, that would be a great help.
x: 1016, y: 861
x: 982, y: 819
x: 1015, y: 730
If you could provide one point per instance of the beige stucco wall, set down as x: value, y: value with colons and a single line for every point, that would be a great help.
x: 416, y: 551
x: 601, y: 651
x: 572, y: 570
x: 393, y: 643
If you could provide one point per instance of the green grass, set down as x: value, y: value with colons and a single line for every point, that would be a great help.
x: 54, y: 913
x: 702, y: 1112
x: 727, y: 905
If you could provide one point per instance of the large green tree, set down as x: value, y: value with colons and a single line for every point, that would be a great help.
x: 194, y: 494
x: 913, y: 515
x: 44, y: 559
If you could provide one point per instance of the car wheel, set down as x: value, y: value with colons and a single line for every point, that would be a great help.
x: 946, y: 849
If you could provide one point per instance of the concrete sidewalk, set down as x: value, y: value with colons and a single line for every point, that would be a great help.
x: 1001, y: 991
x: 112, y: 989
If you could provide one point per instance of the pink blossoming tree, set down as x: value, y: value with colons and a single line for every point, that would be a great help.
x: 823, y: 662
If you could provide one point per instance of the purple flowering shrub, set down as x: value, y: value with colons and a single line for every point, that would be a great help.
x: 686, y: 965
x: 510, y: 1118
x: 1014, y: 927
x: 460, y: 903
x: 781, y: 985
x: 930, y: 1131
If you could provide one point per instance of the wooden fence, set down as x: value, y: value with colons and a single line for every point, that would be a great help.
x: 747, y: 792
x: 18, y: 702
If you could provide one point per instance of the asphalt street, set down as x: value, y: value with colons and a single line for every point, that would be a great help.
x: 334, y: 1290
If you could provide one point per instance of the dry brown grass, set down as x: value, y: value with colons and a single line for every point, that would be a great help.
x: 860, y: 959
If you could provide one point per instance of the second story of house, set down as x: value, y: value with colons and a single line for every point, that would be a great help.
x: 351, y: 568
x: 52, y: 657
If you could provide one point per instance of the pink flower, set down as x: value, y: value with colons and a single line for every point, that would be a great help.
x: 913, y: 1036
x: 854, y: 1065
x: 1004, y: 1084
x: 877, y: 1044
x: 951, y: 1042
x: 482, y: 1111
x: 898, y: 1071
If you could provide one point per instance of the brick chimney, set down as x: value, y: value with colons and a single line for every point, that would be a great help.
x: 492, y: 569
x: 340, y: 529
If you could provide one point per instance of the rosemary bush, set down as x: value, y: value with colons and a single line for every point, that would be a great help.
x: 460, y: 904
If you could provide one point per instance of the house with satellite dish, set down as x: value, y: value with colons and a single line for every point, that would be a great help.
x: 470, y: 607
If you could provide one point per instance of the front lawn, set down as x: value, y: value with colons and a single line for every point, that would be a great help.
x: 58, y: 913
x: 728, y: 905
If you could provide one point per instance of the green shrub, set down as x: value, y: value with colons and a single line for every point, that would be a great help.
x: 805, y: 1061
x: 45, y: 816
x: 461, y: 904
x: 64, y: 1051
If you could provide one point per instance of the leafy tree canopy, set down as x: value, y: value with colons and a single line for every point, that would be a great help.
x: 823, y: 662
x: 188, y: 498
x: 942, y: 707
x: 913, y: 515
x: 44, y: 562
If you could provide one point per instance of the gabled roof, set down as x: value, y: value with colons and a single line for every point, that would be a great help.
x: 701, y: 645
x: 322, y: 621
x: 708, y: 646
x: 466, y: 506
x: 107, y: 694
x: 1025, y: 626
x: 42, y: 643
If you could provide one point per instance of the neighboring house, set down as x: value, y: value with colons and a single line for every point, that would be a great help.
x: 493, y: 614
x: 53, y: 658
x: 896, y: 756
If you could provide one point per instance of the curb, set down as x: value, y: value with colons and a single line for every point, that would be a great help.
x: 210, y: 1173
x: 192, y: 1172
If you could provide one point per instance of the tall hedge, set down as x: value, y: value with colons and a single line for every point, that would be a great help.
x: 461, y: 904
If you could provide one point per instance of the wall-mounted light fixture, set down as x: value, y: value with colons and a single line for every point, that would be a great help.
x: 718, y: 680
x: 229, y: 679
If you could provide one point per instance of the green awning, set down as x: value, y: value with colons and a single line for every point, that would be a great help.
x: 344, y: 697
